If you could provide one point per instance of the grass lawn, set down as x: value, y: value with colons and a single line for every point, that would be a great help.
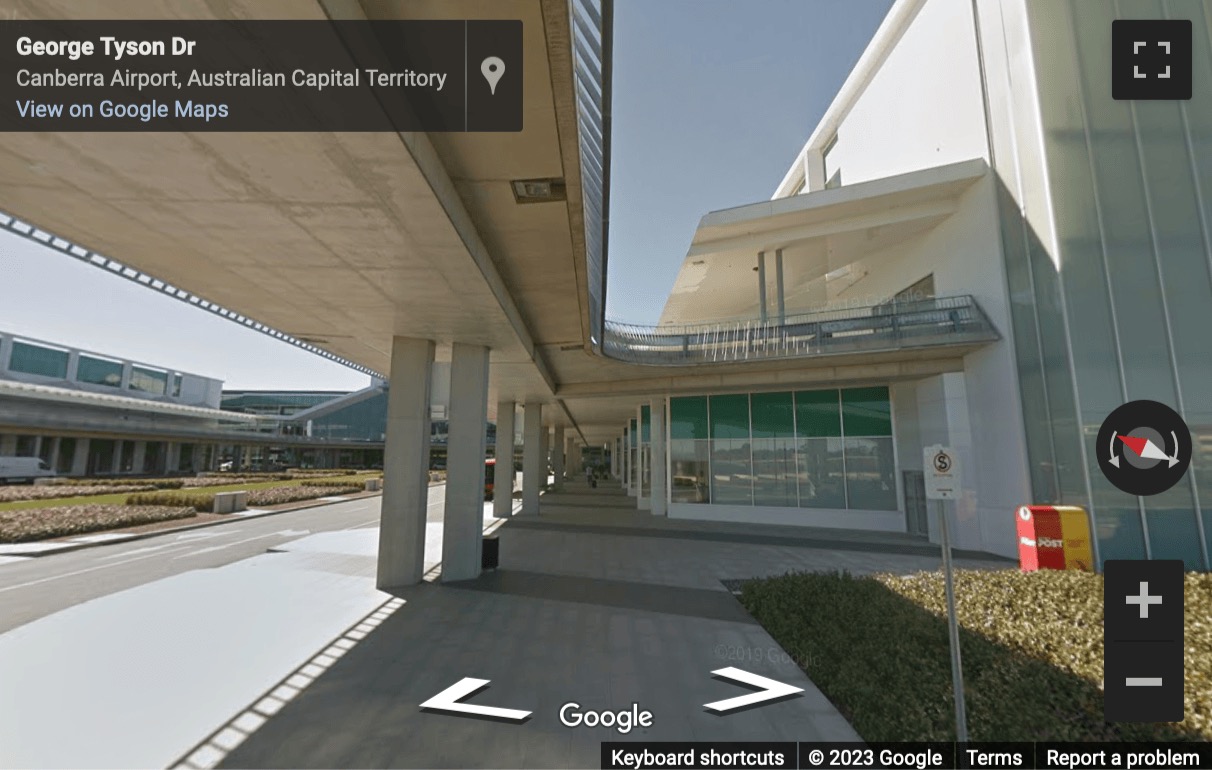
x: 1032, y: 645
x: 120, y: 498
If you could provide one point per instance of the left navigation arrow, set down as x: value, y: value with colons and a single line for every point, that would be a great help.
x: 448, y: 701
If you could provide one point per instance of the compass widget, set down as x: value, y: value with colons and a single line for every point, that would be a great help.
x: 1144, y: 447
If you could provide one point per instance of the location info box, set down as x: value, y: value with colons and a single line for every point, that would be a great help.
x: 261, y: 76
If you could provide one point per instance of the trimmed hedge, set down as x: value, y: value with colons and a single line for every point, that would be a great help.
x: 119, y: 482
x: 877, y: 647
x: 53, y: 492
x: 42, y: 523
x: 200, y: 502
x: 279, y: 495
x: 357, y: 484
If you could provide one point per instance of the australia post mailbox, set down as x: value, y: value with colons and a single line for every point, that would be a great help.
x: 1053, y: 537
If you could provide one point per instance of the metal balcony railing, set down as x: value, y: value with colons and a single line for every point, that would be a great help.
x: 890, y: 326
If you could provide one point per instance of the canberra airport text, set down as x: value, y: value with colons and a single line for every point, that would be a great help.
x: 374, y: 78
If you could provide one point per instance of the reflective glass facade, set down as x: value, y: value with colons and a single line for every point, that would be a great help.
x: 38, y: 359
x: 148, y: 380
x: 812, y: 449
x: 1119, y: 308
x: 99, y: 371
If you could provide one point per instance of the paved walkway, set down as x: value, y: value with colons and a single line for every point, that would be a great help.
x: 294, y: 659
x: 576, y: 614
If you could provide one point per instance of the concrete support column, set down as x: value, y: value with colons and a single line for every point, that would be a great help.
x: 466, y: 448
x: 140, y: 454
x: 73, y: 366
x: 533, y: 463
x: 6, y: 351
x: 761, y: 271
x: 643, y: 492
x: 659, y: 499
x: 778, y: 283
x: 115, y: 461
x: 80, y: 458
x: 54, y: 453
x: 502, y: 500
x: 626, y: 457
x: 37, y: 446
x: 172, y: 457
x: 127, y: 372
x: 558, y: 456
x: 405, y: 465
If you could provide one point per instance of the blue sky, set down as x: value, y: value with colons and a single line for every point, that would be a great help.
x: 712, y: 100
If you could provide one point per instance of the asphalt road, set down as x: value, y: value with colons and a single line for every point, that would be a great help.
x: 40, y: 586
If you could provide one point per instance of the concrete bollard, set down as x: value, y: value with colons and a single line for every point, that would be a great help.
x: 230, y: 502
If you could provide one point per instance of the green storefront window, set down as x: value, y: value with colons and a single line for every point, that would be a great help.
x: 35, y: 359
x: 730, y: 416
x: 646, y: 424
x: 773, y: 415
x: 866, y: 412
x: 688, y: 418
x: 817, y: 414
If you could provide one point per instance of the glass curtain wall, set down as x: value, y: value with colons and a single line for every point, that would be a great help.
x: 830, y: 449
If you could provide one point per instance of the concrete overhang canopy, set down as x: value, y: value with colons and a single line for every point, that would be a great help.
x: 819, y: 232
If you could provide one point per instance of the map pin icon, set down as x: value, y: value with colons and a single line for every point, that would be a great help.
x: 492, y: 68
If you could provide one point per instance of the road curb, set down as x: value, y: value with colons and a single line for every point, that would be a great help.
x: 69, y: 547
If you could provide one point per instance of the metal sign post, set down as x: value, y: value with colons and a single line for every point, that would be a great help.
x: 943, y: 483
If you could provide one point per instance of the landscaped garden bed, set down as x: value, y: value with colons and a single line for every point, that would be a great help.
x: 24, y: 525
x: 204, y: 502
x: 54, y: 492
x: 1032, y: 644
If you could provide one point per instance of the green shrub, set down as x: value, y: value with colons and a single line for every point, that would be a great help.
x: 279, y: 495
x: 119, y: 482
x: 878, y: 648
x: 23, y: 493
x: 343, y: 484
x: 29, y: 524
x: 199, y: 501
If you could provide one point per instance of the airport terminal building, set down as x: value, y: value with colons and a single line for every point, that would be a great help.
x: 977, y: 247
x: 91, y: 414
x: 973, y: 202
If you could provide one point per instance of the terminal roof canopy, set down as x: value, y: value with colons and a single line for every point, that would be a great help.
x: 821, y: 234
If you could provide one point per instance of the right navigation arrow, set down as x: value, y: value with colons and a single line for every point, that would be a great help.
x: 771, y: 690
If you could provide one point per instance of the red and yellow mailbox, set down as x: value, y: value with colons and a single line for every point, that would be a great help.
x: 1054, y: 537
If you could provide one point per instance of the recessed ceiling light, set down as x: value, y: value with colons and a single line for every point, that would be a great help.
x: 538, y: 190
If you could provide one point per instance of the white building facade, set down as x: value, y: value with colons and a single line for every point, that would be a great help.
x: 973, y: 163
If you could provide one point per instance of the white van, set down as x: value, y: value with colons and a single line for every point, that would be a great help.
x: 15, y: 470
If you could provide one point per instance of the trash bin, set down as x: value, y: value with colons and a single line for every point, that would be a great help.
x: 490, y: 553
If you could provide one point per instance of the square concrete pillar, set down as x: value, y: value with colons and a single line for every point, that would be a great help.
x: 80, y: 458
x: 139, y: 456
x: 466, y: 448
x: 502, y: 496
x: 533, y: 462
x: 405, y: 465
x: 115, y: 462
x: 558, y: 456
x: 172, y: 457
x: 657, y: 453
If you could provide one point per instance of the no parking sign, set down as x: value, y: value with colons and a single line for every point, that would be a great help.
x: 942, y: 472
